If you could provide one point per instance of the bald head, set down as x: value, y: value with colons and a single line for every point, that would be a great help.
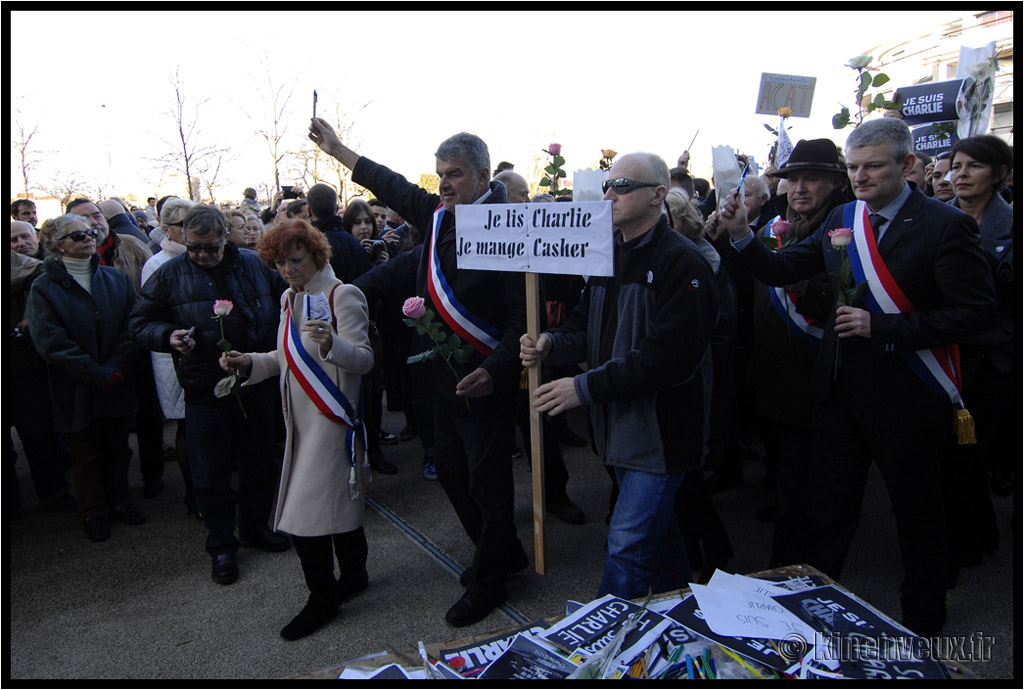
x: 23, y: 238
x: 515, y: 186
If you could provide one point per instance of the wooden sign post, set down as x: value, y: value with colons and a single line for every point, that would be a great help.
x: 564, y: 238
x: 536, y: 424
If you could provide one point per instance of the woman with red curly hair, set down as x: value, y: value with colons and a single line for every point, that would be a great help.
x: 323, y: 350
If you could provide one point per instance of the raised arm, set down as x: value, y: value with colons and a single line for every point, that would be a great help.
x: 324, y: 136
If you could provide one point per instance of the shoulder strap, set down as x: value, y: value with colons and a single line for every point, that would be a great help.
x: 334, y: 317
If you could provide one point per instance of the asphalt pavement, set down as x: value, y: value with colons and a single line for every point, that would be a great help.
x: 142, y: 606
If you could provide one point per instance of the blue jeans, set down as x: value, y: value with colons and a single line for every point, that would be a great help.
x: 645, y: 546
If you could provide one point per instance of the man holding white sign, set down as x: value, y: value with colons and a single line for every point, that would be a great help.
x: 473, y: 401
x: 645, y: 331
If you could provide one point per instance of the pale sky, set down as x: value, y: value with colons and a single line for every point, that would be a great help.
x: 98, y: 84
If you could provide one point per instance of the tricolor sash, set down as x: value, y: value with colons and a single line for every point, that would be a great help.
x: 938, y: 368
x: 320, y: 388
x: 481, y: 335
x: 784, y: 304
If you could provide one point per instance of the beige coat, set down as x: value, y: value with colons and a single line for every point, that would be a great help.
x: 314, y: 498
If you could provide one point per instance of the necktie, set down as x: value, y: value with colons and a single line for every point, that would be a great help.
x: 877, y: 220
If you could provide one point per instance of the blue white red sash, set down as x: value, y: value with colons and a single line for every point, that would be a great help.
x: 481, y: 335
x: 320, y: 388
x: 785, y: 306
x: 939, y: 368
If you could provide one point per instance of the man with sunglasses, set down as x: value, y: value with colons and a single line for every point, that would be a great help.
x: 646, y: 332
x: 175, y: 314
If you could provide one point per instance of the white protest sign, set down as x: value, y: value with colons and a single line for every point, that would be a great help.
x: 785, y: 91
x: 737, y: 609
x: 572, y: 238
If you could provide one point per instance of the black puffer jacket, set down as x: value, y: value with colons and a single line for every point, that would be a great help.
x: 181, y: 295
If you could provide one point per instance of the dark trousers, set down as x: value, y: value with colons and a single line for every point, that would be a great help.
x: 32, y: 416
x: 904, y: 432
x: 317, y: 554
x: 100, y: 456
x: 556, y: 476
x: 792, y: 452
x: 213, y: 430
x: 473, y: 457
x: 181, y: 455
x: 149, y: 421
x: 707, y: 543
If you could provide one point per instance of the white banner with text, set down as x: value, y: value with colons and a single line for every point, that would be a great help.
x: 573, y: 238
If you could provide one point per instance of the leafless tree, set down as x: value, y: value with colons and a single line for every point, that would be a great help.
x: 25, y: 153
x: 344, y: 124
x: 209, y: 170
x: 187, y: 152
x: 272, y: 125
x: 64, y: 185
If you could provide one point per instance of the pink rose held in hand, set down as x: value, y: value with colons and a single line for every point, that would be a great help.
x: 414, y: 308
x: 223, y: 307
x: 841, y: 237
x: 781, y: 227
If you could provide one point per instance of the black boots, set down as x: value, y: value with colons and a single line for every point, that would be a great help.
x: 319, y: 609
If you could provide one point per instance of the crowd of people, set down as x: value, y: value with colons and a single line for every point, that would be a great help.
x: 737, y: 321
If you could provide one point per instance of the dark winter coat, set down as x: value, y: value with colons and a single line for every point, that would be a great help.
x: 85, y: 341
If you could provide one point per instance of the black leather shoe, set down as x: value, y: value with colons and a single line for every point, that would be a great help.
x: 317, y: 611
x: 567, y: 511
x: 387, y: 439
x: 96, y: 528
x: 468, y: 610
x: 128, y: 514
x: 64, y: 504
x: 225, y: 569
x: 518, y: 565
x: 351, y: 584
x: 152, y: 488
x: 268, y: 541
x: 379, y: 464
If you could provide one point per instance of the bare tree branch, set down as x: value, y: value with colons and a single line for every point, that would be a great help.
x: 65, y: 185
x: 186, y: 152
x: 22, y: 145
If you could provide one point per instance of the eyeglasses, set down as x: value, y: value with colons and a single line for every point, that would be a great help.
x: 624, y: 185
x: 204, y: 248
x: 79, y: 235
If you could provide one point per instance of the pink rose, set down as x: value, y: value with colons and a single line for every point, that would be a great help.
x: 555, y: 149
x: 780, y: 227
x: 841, y: 237
x: 414, y: 308
x: 223, y: 307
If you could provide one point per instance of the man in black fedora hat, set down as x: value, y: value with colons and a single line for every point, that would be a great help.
x: 785, y: 343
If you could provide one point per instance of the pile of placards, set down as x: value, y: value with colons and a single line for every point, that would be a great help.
x: 733, y: 627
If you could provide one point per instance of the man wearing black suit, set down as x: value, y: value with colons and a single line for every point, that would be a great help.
x: 870, y: 403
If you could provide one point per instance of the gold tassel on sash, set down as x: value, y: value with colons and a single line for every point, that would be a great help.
x: 963, y: 426
x: 524, y: 380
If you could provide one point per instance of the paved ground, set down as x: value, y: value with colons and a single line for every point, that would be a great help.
x: 142, y: 605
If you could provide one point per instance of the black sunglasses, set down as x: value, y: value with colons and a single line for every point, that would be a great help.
x: 203, y: 248
x: 624, y: 185
x: 80, y: 235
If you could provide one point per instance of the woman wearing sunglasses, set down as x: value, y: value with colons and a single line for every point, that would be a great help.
x: 78, y: 316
